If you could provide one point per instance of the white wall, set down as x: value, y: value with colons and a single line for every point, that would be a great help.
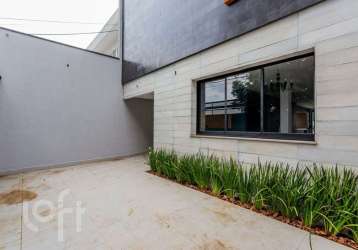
x: 330, y: 28
x: 51, y: 114
x: 106, y: 43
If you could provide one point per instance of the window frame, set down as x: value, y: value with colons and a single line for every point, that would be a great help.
x: 261, y: 134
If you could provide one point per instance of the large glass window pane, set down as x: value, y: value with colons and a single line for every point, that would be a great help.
x: 213, y: 105
x: 243, y: 101
x: 289, y: 97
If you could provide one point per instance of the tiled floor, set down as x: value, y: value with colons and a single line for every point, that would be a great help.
x: 127, y: 208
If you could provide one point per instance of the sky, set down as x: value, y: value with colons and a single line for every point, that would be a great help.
x: 88, y: 11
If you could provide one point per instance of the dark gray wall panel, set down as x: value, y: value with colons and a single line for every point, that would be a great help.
x: 160, y: 32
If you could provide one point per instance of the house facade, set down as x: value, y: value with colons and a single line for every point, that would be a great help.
x: 107, y: 42
x: 251, y: 80
x: 254, y: 80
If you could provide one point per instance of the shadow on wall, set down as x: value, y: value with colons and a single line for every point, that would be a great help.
x: 130, y: 69
x: 142, y: 113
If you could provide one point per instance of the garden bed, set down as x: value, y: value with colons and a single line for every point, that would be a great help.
x: 323, y: 201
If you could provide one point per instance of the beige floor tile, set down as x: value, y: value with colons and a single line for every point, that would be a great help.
x: 127, y: 208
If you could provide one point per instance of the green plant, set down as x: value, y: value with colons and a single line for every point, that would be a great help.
x: 183, y: 173
x: 153, y: 159
x: 216, y: 182
x: 200, y: 171
x: 287, y: 199
x: 229, y: 178
x: 318, y: 196
x: 163, y: 162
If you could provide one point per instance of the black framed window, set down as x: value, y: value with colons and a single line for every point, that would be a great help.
x: 269, y: 101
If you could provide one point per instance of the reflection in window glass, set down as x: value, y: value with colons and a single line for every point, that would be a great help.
x: 289, y: 97
x: 275, y: 101
x: 215, y: 105
x: 243, y: 102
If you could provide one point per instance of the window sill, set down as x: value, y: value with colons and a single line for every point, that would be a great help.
x: 254, y: 139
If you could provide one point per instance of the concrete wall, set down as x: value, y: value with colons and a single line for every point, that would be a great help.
x: 51, y: 114
x: 330, y: 28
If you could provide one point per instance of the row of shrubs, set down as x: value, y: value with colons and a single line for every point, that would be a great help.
x: 316, y: 195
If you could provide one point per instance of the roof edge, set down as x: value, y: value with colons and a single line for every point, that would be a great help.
x: 58, y: 43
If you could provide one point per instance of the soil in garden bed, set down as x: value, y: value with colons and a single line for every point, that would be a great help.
x: 296, y: 223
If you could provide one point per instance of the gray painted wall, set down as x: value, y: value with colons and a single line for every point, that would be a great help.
x: 51, y: 114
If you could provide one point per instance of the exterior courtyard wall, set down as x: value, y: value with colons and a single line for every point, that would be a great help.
x: 61, y: 105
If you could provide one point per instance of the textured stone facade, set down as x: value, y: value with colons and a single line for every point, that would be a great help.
x: 330, y: 28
